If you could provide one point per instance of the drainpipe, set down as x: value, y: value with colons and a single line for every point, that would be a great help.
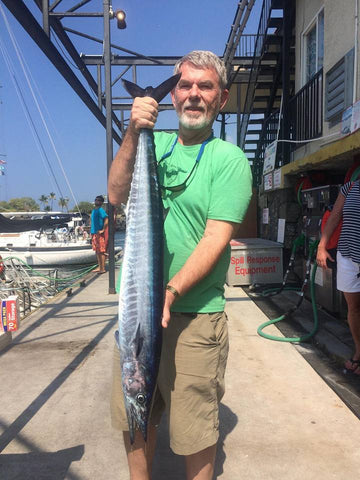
x: 356, y: 50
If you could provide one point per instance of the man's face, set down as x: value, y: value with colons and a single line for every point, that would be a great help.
x: 198, y: 97
x: 98, y: 202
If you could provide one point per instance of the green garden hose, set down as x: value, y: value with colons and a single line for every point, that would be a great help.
x: 313, y: 247
x: 299, y: 242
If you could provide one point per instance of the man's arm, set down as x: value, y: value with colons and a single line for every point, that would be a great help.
x: 216, y: 237
x: 333, y: 220
x: 143, y: 115
x: 106, y: 222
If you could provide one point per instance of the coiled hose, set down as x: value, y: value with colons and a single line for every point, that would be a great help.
x: 303, y: 338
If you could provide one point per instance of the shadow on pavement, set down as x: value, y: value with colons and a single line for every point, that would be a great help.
x: 40, y: 465
x: 19, y: 423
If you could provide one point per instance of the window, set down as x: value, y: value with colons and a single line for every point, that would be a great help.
x: 313, y: 41
x: 339, y: 87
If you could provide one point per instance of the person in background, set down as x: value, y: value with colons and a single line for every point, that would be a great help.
x: 99, y: 232
x: 206, y: 187
x: 347, y: 208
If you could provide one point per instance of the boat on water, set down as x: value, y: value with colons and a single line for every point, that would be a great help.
x: 53, y: 240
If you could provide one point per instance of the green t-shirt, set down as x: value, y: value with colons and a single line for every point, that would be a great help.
x: 219, y: 188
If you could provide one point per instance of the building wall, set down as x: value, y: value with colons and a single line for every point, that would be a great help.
x: 339, y: 38
x: 306, y: 10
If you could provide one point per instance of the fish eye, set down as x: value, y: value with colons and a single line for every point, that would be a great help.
x: 140, y: 398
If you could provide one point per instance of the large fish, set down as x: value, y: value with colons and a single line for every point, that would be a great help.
x: 142, y: 289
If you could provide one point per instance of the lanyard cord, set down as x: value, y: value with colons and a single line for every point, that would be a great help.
x: 199, y: 155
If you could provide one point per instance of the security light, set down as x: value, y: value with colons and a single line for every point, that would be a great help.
x: 120, y: 17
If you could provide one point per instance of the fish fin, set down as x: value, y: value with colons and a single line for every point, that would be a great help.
x: 166, y: 211
x: 138, y: 341
x: 157, y: 93
x: 165, y: 87
x: 133, y: 89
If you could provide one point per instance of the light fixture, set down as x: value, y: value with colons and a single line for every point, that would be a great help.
x: 120, y: 17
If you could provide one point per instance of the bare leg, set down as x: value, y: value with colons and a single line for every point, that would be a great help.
x: 140, y: 454
x: 200, y: 465
x: 102, y: 262
x: 98, y: 268
x: 353, y: 303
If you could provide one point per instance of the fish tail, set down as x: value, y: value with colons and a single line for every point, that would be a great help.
x: 157, y: 93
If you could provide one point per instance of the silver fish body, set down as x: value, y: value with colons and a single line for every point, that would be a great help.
x: 142, y: 289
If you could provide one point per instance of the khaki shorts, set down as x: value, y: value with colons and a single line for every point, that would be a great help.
x: 190, y: 383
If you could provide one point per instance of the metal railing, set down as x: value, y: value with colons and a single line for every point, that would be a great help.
x: 259, y: 44
x: 306, y: 111
x: 246, y: 46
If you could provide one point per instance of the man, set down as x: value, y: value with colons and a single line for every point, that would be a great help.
x: 206, y: 186
x: 99, y: 224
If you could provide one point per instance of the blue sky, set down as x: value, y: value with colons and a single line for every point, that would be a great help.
x: 158, y: 27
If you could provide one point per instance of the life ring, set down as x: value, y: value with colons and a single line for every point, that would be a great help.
x: 2, y: 266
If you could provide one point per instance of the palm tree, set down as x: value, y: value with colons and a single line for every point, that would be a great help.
x: 44, y: 200
x: 63, y: 202
x: 52, y: 197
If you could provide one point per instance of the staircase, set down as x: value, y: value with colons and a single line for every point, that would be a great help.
x: 263, y: 75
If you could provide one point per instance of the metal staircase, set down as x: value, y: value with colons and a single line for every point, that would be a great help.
x: 263, y: 81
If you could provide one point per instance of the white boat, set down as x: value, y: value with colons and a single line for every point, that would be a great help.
x: 53, y: 242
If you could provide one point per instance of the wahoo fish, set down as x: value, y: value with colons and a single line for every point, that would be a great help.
x: 142, y: 285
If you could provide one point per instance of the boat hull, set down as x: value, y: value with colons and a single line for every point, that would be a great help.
x: 53, y: 256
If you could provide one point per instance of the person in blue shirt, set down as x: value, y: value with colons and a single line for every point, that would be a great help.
x: 99, y: 232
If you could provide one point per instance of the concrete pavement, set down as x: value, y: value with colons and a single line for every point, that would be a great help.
x: 279, y: 418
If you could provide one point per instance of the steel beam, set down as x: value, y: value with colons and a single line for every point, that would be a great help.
x: 127, y: 60
x: 23, y: 15
x: 109, y: 140
x: 127, y: 106
x: 70, y: 48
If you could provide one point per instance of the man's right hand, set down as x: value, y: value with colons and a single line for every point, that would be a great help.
x: 144, y: 114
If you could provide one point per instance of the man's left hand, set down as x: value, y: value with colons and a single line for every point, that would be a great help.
x: 168, y: 301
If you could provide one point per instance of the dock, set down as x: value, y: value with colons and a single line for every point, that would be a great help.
x: 279, y: 419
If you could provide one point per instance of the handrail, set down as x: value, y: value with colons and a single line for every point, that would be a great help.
x: 306, y: 110
x: 263, y: 23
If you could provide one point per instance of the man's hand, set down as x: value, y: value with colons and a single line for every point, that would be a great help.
x: 168, y: 301
x: 144, y: 113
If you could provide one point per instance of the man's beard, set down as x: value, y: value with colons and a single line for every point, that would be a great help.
x: 194, y: 123
x: 202, y: 120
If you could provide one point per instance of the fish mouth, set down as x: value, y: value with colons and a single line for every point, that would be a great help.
x: 136, y: 422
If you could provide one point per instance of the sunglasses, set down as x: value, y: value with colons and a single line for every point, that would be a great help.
x: 181, y: 186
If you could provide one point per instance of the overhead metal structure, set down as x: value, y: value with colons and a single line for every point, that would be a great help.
x: 44, y: 22
x: 48, y: 25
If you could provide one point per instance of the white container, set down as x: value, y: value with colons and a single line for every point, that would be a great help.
x: 255, y: 260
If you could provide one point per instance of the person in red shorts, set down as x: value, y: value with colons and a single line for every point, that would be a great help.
x: 99, y: 232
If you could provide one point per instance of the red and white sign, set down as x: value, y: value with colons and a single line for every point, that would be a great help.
x: 10, y: 315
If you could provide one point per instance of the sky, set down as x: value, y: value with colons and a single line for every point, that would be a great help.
x: 72, y: 141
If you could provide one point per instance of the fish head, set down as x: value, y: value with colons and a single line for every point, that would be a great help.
x: 137, y: 397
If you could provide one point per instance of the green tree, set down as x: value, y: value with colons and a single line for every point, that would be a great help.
x: 52, y: 197
x: 63, y: 202
x: 86, y: 207
x: 23, y: 204
x: 4, y: 206
x: 44, y: 200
